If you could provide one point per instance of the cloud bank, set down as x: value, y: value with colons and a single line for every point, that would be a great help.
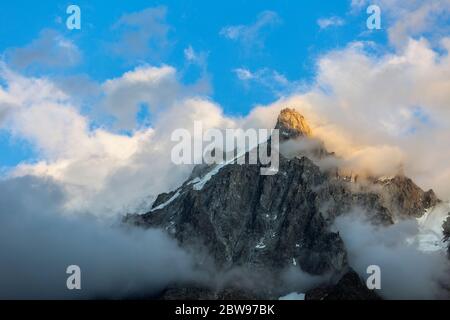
x: 38, y: 242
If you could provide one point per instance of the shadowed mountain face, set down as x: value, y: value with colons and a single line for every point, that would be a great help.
x: 271, y: 223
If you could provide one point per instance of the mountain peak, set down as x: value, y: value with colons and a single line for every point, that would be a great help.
x: 292, y: 125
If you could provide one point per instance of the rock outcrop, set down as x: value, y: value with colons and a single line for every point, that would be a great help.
x: 244, y: 218
x: 292, y: 125
x: 405, y: 198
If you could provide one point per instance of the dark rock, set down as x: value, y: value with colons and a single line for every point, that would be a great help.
x: 244, y: 218
x: 192, y: 292
x: 162, y: 198
x: 446, y: 227
x: 203, y: 293
x: 200, y: 170
x: 349, y: 287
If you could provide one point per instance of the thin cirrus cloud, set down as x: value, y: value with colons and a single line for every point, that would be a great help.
x: 195, y: 57
x: 272, y: 80
x: 334, y: 21
x: 252, y: 35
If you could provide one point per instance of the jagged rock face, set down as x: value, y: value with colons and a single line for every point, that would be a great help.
x: 405, y: 198
x: 337, y: 197
x: 292, y: 125
x: 446, y: 228
x: 349, y: 287
x: 246, y: 219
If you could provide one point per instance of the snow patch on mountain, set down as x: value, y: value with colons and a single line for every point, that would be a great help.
x: 293, y: 296
x: 199, y: 183
x: 431, y: 236
x: 163, y: 205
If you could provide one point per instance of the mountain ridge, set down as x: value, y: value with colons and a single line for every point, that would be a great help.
x: 272, y: 223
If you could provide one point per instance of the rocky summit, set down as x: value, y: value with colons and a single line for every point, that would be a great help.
x: 292, y: 125
x: 269, y: 224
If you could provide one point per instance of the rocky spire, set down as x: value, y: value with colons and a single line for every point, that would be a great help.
x: 292, y: 125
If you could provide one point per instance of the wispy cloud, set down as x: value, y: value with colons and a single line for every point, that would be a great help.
x: 195, y: 57
x: 252, y: 35
x: 334, y: 21
x: 142, y: 34
x: 50, y: 50
x: 270, y: 79
x: 190, y: 54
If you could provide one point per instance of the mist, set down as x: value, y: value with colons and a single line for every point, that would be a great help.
x: 407, y: 271
x: 38, y: 241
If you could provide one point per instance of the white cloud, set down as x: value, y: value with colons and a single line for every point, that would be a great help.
x: 368, y: 116
x: 407, y: 19
x: 334, y: 21
x: 390, y: 111
x: 417, y: 20
x: 381, y: 112
x: 406, y: 271
x: 156, y: 87
x: 105, y: 173
x: 244, y: 74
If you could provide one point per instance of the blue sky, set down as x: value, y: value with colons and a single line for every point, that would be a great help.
x: 277, y: 41
x: 289, y: 45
